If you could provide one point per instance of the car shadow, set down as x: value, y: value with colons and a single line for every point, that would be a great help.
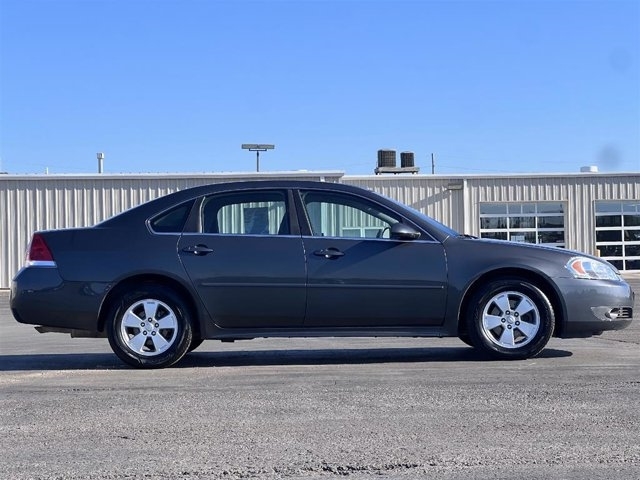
x: 107, y: 361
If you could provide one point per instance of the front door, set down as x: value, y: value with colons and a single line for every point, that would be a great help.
x: 358, y: 276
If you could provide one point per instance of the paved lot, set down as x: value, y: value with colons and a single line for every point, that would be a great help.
x: 319, y: 408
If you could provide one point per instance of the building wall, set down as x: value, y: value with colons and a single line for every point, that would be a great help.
x: 44, y: 202
x: 455, y: 200
x: 580, y: 192
x: 39, y: 202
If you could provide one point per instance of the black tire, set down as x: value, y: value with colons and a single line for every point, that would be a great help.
x: 510, y: 319
x: 150, y: 327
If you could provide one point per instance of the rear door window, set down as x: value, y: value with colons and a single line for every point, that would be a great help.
x: 246, y: 213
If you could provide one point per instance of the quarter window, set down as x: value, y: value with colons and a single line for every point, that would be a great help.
x: 540, y: 222
x: 618, y: 233
x: 171, y: 221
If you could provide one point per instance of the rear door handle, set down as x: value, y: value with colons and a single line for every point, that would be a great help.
x: 329, y: 253
x: 198, y: 249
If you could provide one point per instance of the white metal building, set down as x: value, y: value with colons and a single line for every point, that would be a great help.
x: 597, y: 213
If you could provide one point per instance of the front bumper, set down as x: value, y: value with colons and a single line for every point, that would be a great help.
x: 594, y: 306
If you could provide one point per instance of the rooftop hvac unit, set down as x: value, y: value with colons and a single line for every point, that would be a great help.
x: 407, y: 160
x: 386, y: 158
x: 387, y: 162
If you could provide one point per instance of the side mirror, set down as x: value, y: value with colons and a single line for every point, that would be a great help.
x: 401, y: 231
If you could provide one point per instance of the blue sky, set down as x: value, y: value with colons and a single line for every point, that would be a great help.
x: 178, y: 86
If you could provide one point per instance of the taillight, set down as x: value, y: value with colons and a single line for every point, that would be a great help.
x: 38, y: 250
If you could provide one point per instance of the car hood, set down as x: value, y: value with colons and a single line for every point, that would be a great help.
x: 531, y: 247
x: 557, y: 250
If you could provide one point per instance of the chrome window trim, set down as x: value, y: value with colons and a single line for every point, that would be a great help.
x: 273, y: 235
x: 369, y: 239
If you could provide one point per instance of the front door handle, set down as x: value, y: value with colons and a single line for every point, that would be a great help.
x: 198, y: 249
x: 330, y: 252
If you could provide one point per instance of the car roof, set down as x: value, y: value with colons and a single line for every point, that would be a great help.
x: 175, y: 198
x: 138, y: 215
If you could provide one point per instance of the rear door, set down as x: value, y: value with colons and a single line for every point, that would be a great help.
x: 246, y: 260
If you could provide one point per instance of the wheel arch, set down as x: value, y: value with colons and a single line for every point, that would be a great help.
x: 135, y: 281
x: 539, y: 280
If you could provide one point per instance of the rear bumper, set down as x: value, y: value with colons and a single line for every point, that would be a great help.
x: 39, y: 296
x: 594, y: 306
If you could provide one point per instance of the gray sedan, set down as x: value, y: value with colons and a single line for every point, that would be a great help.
x: 301, y: 259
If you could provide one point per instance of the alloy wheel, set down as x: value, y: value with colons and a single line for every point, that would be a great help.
x: 149, y: 327
x: 510, y: 319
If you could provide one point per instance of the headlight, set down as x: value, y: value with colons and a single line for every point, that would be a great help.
x: 583, y: 267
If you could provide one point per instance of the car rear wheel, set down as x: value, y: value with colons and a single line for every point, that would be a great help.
x: 150, y: 327
x: 510, y: 319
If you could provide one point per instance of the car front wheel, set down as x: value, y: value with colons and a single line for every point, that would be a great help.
x: 150, y: 327
x: 510, y: 319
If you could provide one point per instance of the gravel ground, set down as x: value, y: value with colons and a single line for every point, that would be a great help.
x: 319, y: 408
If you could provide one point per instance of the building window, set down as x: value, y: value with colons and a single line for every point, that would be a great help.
x: 541, y: 222
x: 618, y: 233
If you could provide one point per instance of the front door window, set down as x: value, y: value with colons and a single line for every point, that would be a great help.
x: 344, y: 216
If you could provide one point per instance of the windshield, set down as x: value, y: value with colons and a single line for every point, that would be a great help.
x: 425, y: 218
